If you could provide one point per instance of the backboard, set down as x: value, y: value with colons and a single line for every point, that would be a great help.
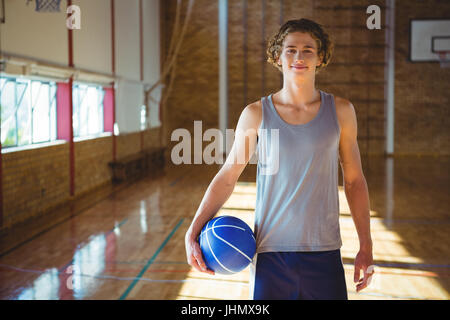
x: 428, y: 39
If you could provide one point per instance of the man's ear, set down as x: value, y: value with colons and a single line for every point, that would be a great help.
x: 320, y: 60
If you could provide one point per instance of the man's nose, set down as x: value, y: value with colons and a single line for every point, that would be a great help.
x: 299, y: 56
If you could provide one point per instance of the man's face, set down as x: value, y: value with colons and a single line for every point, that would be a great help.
x: 299, y: 54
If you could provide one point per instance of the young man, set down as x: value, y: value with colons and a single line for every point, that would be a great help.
x: 297, y: 207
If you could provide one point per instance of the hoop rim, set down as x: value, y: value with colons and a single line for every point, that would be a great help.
x: 443, y: 58
x: 443, y: 55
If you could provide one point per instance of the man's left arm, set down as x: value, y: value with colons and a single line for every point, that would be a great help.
x: 356, y: 190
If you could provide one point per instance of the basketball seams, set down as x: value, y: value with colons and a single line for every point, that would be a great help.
x: 235, y: 248
x: 228, y: 225
x: 212, y: 252
x: 225, y: 225
x: 211, y: 225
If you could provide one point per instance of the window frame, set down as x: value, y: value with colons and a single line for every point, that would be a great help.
x: 52, y: 109
x: 77, y: 108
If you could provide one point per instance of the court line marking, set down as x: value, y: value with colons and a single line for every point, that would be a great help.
x: 111, y: 277
x: 150, y: 261
x: 116, y: 190
x: 108, y: 277
x: 181, y: 177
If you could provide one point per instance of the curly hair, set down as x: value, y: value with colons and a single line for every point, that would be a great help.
x: 324, y: 45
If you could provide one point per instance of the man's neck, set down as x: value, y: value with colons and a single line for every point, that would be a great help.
x: 298, y: 94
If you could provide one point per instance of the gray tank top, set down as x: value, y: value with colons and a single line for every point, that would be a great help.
x: 297, y: 203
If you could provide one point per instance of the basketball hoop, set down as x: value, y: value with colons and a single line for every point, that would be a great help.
x: 444, y: 58
x: 47, y: 5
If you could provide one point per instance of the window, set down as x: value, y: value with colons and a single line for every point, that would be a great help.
x: 143, y: 117
x: 87, y: 110
x: 28, y: 111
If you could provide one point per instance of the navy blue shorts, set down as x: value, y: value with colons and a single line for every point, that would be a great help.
x: 299, y: 275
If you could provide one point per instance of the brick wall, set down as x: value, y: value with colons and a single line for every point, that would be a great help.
x: 422, y: 98
x: 152, y: 138
x: 356, y: 71
x: 195, y: 91
x: 91, y: 163
x: 128, y: 143
x: 34, y: 180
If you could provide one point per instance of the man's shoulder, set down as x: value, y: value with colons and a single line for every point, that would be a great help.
x: 253, y: 111
x: 344, y: 108
x: 255, y: 107
x: 342, y: 103
x: 345, y: 112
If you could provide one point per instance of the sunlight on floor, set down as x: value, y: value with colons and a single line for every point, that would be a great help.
x: 396, y: 276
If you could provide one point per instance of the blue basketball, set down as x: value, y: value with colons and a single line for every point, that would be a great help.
x: 228, y: 244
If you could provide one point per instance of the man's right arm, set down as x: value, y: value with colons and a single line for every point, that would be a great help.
x: 222, y: 185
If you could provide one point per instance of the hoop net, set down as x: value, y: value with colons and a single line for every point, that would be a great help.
x: 47, y: 5
x: 444, y: 58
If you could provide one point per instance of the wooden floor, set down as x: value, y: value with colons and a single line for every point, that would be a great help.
x: 128, y: 242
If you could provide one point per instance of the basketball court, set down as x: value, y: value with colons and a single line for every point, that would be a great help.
x: 94, y: 205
